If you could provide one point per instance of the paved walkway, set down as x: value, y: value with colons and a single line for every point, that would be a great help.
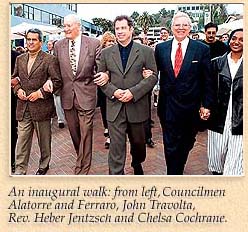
x: 63, y: 154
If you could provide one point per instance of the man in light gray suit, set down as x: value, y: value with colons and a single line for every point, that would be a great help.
x: 77, y: 55
x: 127, y: 95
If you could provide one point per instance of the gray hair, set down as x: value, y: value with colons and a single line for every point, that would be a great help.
x: 180, y: 14
x: 74, y: 18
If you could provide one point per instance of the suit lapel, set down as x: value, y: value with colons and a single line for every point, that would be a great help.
x: 189, y: 54
x: 116, y: 57
x: 134, y: 53
x: 37, y: 63
x: 66, y: 56
x: 24, y: 64
x: 83, y: 54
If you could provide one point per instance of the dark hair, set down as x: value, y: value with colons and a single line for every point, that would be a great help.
x: 36, y: 31
x: 231, y: 35
x: 124, y: 17
x: 164, y: 29
x: 211, y: 25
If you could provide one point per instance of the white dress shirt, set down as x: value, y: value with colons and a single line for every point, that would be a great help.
x: 184, y: 45
x: 77, y: 47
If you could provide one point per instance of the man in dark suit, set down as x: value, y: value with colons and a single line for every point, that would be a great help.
x: 127, y: 95
x: 185, y: 88
x: 78, y: 55
x: 35, y: 107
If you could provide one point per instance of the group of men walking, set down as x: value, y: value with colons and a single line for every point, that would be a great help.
x: 126, y: 73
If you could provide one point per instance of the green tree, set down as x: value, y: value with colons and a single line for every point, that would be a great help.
x: 145, y: 21
x: 105, y: 24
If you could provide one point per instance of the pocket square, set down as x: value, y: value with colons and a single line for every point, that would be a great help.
x: 194, y: 61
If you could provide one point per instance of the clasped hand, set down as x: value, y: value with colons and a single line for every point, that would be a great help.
x: 123, y: 95
x: 204, y: 113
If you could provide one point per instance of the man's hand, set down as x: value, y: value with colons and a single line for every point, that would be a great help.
x: 204, y: 113
x: 48, y: 86
x: 146, y: 73
x: 14, y: 82
x: 34, y: 96
x: 101, y: 78
x: 127, y: 96
x: 119, y: 93
x: 21, y: 94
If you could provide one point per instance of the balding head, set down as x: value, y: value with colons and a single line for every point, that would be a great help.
x: 72, y: 26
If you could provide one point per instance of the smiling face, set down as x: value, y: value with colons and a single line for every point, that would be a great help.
x: 236, y: 42
x: 123, y: 32
x: 33, y: 42
x: 71, y: 27
x: 180, y: 28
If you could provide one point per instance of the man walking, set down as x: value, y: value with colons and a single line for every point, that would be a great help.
x: 78, y: 55
x: 35, y: 107
x: 185, y: 86
x: 127, y: 96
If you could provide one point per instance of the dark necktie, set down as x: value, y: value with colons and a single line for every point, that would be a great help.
x: 178, y: 60
x: 73, y: 57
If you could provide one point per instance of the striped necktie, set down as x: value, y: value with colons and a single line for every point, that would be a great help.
x: 178, y: 60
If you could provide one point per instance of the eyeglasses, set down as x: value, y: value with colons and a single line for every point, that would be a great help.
x: 181, y: 25
x: 211, y: 32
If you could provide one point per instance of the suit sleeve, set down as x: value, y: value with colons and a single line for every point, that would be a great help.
x: 109, y: 88
x: 146, y: 84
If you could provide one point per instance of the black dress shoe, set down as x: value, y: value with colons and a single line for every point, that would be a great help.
x: 150, y: 143
x: 138, y: 170
x: 42, y: 171
x: 61, y: 125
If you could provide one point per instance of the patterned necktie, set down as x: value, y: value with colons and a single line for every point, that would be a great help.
x: 178, y: 60
x: 73, y: 57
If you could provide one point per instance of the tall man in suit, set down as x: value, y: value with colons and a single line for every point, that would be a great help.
x: 78, y: 55
x: 35, y: 107
x: 185, y: 88
x: 127, y: 95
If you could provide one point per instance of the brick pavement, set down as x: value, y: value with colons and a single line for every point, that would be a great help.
x: 63, y: 154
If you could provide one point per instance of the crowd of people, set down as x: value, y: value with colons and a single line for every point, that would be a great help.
x: 196, y: 85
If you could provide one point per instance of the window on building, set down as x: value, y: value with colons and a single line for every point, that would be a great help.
x: 37, y: 15
x: 45, y: 17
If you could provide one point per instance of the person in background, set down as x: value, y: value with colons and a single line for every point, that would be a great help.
x: 35, y: 107
x: 57, y: 99
x: 127, y: 95
x: 185, y: 85
x: 195, y: 36
x: 225, y: 134
x: 164, y: 34
x: 217, y: 48
x: 107, y: 40
x: 224, y: 38
x: 14, y: 123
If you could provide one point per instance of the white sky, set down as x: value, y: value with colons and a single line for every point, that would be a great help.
x: 110, y: 11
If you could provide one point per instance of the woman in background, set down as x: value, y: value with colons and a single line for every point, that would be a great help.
x: 108, y: 39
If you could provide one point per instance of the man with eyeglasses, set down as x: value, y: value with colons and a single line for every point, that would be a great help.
x: 217, y: 48
x: 185, y: 89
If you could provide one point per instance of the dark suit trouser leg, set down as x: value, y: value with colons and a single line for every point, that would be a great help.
x: 177, y: 144
x: 80, y: 123
x: 44, y: 135
x: 117, y: 149
x: 136, y: 135
x: 14, y: 125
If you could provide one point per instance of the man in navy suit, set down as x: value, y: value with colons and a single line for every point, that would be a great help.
x: 185, y: 91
